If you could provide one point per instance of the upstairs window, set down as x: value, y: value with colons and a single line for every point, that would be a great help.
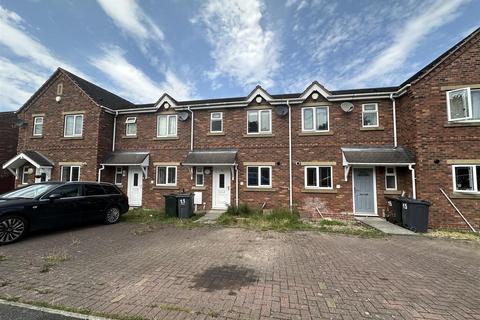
x: 259, y: 121
x: 73, y: 125
x: 216, y: 122
x: 166, y: 176
x: 463, y: 104
x: 370, y: 115
x: 315, y: 119
x: 167, y: 126
x: 131, y: 126
x: 259, y: 177
x: 70, y: 173
x: 38, y: 126
x: 466, y: 178
x: 199, y: 177
x: 390, y: 178
x: 318, y: 177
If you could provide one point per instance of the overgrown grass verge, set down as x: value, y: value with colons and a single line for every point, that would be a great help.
x: 150, y: 219
x: 454, y: 234
x: 282, y: 219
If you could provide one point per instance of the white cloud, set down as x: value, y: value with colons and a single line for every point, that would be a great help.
x: 408, y: 38
x: 134, y: 83
x: 242, y: 49
x: 130, y: 18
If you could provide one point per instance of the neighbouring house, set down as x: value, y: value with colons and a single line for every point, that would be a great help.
x: 334, y: 153
x: 8, y: 148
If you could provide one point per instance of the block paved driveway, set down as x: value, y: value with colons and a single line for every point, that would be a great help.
x: 218, y: 273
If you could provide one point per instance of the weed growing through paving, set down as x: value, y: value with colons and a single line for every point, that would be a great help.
x: 52, y: 260
x: 2, y: 257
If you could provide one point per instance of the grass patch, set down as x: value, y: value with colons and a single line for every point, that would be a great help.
x: 282, y: 219
x: 454, y: 234
x: 2, y: 257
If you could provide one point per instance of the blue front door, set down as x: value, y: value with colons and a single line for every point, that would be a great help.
x: 364, y: 190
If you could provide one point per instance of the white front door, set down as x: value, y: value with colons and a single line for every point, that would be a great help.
x: 43, y: 174
x: 221, y: 188
x: 135, y: 184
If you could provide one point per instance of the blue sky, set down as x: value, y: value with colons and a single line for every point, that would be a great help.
x: 218, y: 48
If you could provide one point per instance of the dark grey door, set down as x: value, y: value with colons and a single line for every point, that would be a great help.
x: 364, y: 191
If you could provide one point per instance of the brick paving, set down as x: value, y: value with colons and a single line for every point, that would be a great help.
x: 227, y: 273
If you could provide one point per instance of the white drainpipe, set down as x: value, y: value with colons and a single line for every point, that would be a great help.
x: 290, y: 191
x: 394, y: 121
x: 236, y: 185
x: 191, y: 130
x: 414, y: 188
x: 100, y: 173
x: 114, y: 130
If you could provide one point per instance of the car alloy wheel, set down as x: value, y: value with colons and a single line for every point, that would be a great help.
x: 11, y: 229
x: 113, y: 215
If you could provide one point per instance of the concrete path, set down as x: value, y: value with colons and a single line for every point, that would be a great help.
x: 211, y: 217
x: 384, y: 226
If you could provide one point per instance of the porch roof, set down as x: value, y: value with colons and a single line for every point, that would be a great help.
x: 122, y: 158
x: 35, y: 158
x: 377, y: 156
x: 211, y: 157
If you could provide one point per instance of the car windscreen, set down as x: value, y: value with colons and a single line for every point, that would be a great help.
x: 28, y: 192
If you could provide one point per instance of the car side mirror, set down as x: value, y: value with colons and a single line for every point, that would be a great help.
x: 54, y: 196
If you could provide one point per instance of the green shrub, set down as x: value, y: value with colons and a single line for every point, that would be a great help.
x: 241, y: 210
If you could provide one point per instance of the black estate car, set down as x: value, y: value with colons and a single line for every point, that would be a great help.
x: 56, y: 204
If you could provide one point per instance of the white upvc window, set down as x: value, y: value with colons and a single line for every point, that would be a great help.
x: 315, y: 119
x: 166, y: 176
x: 259, y: 176
x: 131, y: 126
x: 318, y: 177
x: 463, y: 104
x: 25, y: 175
x: 73, y: 125
x: 370, y: 115
x: 199, y: 177
x: 216, y: 122
x: 259, y: 121
x: 167, y: 125
x: 38, y: 126
x: 118, y: 175
x: 70, y: 173
x: 466, y: 178
x: 390, y: 178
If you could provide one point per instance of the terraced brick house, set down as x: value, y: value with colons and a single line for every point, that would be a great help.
x: 329, y: 153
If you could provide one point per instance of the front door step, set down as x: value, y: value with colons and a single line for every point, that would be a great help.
x: 384, y: 226
x: 211, y: 217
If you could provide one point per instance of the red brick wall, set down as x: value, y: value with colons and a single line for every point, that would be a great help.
x: 8, y: 148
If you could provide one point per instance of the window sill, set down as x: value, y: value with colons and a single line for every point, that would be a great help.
x: 453, y: 124
x: 36, y: 137
x: 199, y: 188
x: 166, y: 138
x: 392, y: 192
x: 372, y: 129
x: 260, y: 189
x: 461, y: 195
x: 320, y: 190
x: 258, y: 135
x: 166, y: 188
x: 216, y: 134
x: 71, y: 138
x: 315, y: 133
x: 129, y: 137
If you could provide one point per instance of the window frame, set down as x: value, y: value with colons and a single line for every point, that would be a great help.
x: 25, y: 172
x: 315, y: 118
x: 130, y: 121
x: 394, y: 174
x: 469, y: 105
x: 317, y: 172
x: 259, y: 117
x: 73, y: 135
x: 70, y: 178
x: 218, y: 119
x: 166, y: 184
x: 116, y: 175
x: 476, y: 189
x: 60, y: 89
x: 259, y: 172
x: 199, y: 171
x: 35, y: 124
x: 376, y: 111
x: 168, y: 116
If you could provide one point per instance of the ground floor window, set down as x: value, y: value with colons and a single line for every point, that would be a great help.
x: 118, y: 175
x: 166, y: 176
x: 25, y: 175
x: 260, y: 176
x: 199, y: 177
x: 318, y: 177
x: 70, y: 173
x: 466, y: 178
x: 390, y: 178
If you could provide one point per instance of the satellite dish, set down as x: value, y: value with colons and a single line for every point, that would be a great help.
x: 182, y: 116
x: 20, y: 123
x: 281, y: 110
x: 347, y: 106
